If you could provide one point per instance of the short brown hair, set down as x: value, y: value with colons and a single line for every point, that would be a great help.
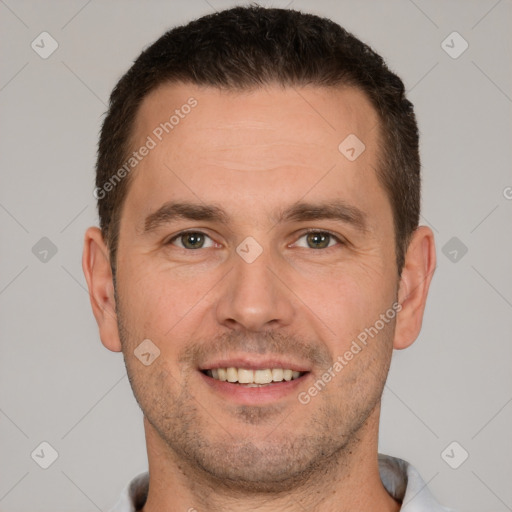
x: 247, y: 47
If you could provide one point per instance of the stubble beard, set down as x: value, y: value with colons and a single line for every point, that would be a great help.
x: 260, y: 449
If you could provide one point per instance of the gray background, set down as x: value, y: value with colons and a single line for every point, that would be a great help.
x: 57, y: 382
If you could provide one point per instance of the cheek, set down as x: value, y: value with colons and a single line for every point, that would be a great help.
x: 158, y: 301
x: 346, y: 301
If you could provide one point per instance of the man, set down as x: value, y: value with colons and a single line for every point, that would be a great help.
x: 258, y: 261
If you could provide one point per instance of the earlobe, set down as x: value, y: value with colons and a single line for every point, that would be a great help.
x: 420, y: 263
x: 98, y: 274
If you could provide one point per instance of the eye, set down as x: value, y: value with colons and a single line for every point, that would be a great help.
x: 317, y: 240
x: 192, y: 240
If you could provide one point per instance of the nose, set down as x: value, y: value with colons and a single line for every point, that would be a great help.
x: 254, y: 296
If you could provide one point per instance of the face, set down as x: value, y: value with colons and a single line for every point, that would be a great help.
x: 248, y: 245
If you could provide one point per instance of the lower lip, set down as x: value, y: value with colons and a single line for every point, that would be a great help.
x: 254, y: 395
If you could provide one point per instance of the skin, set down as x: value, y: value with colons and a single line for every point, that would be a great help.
x: 254, y: 154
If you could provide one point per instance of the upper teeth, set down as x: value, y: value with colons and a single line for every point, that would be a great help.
x: 244, y: 376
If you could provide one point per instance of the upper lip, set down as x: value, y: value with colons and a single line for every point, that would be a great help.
x: 255, y: 362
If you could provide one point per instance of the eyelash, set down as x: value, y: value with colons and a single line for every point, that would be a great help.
x: 337, y: 238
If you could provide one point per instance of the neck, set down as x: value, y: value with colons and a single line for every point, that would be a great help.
x: 349, y: 480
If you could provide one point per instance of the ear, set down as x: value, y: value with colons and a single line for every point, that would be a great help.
x: 419, y: 266
x: 98, y: 274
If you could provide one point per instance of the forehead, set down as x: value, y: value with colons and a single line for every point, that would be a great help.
x: 308, y: 115
x: 207, y: 142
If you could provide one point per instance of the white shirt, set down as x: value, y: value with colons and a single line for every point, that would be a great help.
x: 399, y: 478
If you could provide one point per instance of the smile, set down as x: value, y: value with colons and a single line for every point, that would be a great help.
x: 253, y: 378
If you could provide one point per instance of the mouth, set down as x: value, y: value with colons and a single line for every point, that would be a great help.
x: 253, y: 378
x: 249, y: 379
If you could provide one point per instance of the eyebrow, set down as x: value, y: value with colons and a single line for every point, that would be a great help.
x: 336, y: 210
x: 171, y: 211
x: 298, y: 212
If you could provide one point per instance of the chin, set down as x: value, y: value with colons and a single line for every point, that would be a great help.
x: 264, y: 465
